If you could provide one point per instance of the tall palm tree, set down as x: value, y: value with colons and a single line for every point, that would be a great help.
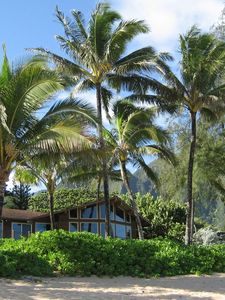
x: 134, y: 135
x: 24, y: 91
x: 199, y: 89
x: 98, y: 60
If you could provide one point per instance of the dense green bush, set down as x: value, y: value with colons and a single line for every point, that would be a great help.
x: 63, y: 198
x: 86, y: 254
x: 166, y: 218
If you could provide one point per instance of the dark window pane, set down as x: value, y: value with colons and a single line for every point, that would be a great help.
x: 128, y: 232
x: 41, y: 227
x: 73, y: 227
x: 119, y: 214
x: 90, y: 212
x: 16, y: 231
x: 112, y: 230
x: 128, y: 220
x: 73, y: 213
x: 120, y: 231
x: 102, y: 211
x: 90, y: 227
x: 102, y: 229
x: 111, y: 212
x: 26, y: 230
x: 1, y: 228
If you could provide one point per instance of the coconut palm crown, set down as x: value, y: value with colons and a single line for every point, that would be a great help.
x: 133, y: 136
x: 199, y: 89
x: 98, y: 60
x: 24, y: 90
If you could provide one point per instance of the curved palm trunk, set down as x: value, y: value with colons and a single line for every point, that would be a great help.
x: 132, y: 199
x: 104, y: 163
x: 2, y: 194
x: 4, y: 177
x: 190, y: 201
x: 51, y: 210
x: 98, y: 188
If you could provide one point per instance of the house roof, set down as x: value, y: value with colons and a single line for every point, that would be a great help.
x: 18, y: 214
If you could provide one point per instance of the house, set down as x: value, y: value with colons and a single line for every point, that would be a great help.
x: 86, y: 217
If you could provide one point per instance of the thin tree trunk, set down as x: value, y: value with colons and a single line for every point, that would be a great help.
x: 190, y: 201
x: 132, y: 199
x: 51, y: 210
x: 104, y: 163
x: 98, y: 188
x: 2, y: 195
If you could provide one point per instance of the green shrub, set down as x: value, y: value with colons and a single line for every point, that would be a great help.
x: 166, y: 218
x: 88, y: 254
x: 63, y: 198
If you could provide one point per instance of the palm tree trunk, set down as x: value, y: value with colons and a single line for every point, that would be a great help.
x: 98, y: 188
x: 51, y: 210
x: 2, y: 194
x: 104, y: 163
x: 4, y: 177
x: 190, y: 201
x: 132, y: 199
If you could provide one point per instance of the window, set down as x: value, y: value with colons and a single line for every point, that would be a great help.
x: 119, y: 214
x: 102, y: 212
x: 19, y: 229
x: 73, y: 227
x: 89, y: 212
x: 41, y: 227
x: 1, y: 230
x: 73, y: 213
x: 128, y: 218
x: 121, y: 231
x: 111, y: 212
x: 128, y: 232
x: 102, y: 229
x: 112, y: 229
x: 90, y: 227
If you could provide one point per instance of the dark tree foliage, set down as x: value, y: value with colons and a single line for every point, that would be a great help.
x: 19, y: 197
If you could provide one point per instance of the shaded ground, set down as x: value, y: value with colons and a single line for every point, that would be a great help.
x: 122, y: 288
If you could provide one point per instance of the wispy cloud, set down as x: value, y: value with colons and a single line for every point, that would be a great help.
x: 168, y: 18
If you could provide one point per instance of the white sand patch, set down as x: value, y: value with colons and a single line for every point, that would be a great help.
x: 120, y: 288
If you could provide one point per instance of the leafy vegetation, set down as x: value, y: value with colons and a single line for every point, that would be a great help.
x: 87, y: 254
x: 64, y: 198
x: 68, y: 144
x: 166, y: 218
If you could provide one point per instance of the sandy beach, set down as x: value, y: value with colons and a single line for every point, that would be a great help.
x: 123, y: 288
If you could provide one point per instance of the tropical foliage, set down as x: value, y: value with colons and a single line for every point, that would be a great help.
x: 134, y: 135
x: 53, y: 251
x: 66, y: 142
x: 99, y: 62
x: 199, y: 89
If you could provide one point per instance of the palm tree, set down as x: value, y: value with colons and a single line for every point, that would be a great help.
x: 98, y: 60
x: 134, y: 135
x: 45, y: 171
x: 24, y: 91
x: 199, y: 89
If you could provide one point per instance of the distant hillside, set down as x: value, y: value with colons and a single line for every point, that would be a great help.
x: 140, y: 183
x: 138, y: 180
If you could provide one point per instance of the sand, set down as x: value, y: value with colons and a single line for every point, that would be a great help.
x: 123, y: 288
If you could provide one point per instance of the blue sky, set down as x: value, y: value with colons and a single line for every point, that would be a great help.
x: 32, y: 23
x: 27, y: 23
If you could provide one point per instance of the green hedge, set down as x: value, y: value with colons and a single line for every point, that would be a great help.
x: 86, y: 254
x: 63, y: 198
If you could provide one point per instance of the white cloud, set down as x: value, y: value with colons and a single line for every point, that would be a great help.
x: 168, y: 18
